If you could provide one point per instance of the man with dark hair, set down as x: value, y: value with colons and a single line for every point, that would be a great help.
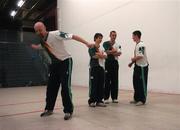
x: 140, y: 74
x: 113, y: 51
x: 60, y: 67
x: 96, y: 73
x: 137, y: 33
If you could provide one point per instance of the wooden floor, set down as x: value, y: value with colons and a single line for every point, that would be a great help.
x: 20, y: 109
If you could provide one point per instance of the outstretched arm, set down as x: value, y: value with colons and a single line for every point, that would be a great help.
x: 80, y: 39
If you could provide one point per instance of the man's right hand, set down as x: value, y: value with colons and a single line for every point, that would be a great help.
x: 130, y: 64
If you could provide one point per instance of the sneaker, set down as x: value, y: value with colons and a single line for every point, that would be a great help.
x: 139, y: 103
x: 92, y: 104
x: 100, y: 104
x: 106, y: 101
x: 133, y: 102
x: 115, y: 101
x: 67, y: 116
x: 46, y: 113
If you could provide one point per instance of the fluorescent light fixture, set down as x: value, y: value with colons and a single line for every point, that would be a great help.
x: 20, y: 3
x: 13, y: 13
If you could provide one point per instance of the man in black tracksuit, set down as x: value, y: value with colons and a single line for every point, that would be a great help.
x: 60, y: 68
x: 96, y: 73
x: 111, y: 68
x: 140, y: 75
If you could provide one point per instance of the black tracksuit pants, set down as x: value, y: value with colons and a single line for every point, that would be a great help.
x: 60, y: 74
x: 96, y: 84
x: 111, y: 79
x: 140, y: 78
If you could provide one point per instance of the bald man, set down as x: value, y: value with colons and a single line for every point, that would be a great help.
x: 60, y: 67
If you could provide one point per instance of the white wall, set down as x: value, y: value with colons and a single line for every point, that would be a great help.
x: 159, y: 21
x: 179, y: 47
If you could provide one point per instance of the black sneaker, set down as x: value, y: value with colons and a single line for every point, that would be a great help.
x: 67, y: 116
x: 46, y: 113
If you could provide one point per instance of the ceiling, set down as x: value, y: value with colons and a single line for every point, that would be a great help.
x: 30, y: 12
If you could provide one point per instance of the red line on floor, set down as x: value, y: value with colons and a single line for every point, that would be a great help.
x: 21, y: 103
x: 24, y: 113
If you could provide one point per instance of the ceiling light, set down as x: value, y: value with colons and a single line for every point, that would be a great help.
x: 13, y: 13
x: 20, y: 3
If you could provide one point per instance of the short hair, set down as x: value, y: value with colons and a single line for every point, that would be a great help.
x: 137, y: 33
x: 97, y: 35
x: 112, y: 32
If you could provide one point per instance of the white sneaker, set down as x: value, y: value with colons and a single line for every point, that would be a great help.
x: 92, y: 104
x: 106, y: 101
x: 115, y: 101
x: 139, y: 103
x: 100, y: 104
